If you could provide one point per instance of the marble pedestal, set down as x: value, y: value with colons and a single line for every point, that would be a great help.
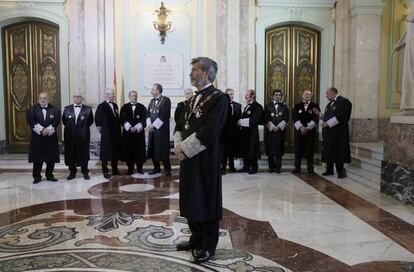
x: 397, y: 169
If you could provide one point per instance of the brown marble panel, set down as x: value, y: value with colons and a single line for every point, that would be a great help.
x: 364, y: 130
x: 399, y: 144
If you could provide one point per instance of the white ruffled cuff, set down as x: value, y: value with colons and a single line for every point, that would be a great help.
x: 38, y: 129
x: 127, y: 126
x: 298, y: 125
x: 282, y: 125
x: 192, y: 146
x: 332, y: 122
x: 158, y: 123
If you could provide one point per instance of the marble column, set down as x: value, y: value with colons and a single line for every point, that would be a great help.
x: 364, y: 68
x: 91, y: 54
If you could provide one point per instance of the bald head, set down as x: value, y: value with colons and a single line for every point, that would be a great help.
x: 77, y: 97
x: 43, y: 99
x: 188, y: 93
x: 109, y: 94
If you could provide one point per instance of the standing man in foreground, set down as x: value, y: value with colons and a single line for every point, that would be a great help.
x: 44, y: 120
x: 335, y: 133
x: 77, y: 119
x: 196, y: 140
x: 108, y: 124
x: 158, y: 126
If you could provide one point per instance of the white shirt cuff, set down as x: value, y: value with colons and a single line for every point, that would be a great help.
x: 38, y: 129
x: 148, y: 121
x: 51, y: 130
x: 178, y: 138
x: 298, y: 125
x: 127, y: 126
x: 332, y: 122
x: 311, y: 125
x: 158, y: 123
x: 270, y: 126
x: 138, y: 127
x: 245, y: 122
x: 282, y: 125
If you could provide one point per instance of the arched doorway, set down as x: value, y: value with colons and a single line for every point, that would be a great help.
x: 291, y: 64
x: 31, y: 63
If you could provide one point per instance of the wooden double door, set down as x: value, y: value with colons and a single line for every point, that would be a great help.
x: 31, y: 58
x: 291, y: 65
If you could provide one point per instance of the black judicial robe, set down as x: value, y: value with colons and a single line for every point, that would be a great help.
x: 159, y: 140
x: 231, y: 132
x: 249, y: 136
x: 43, y: 148
x: 76, y: 135
x: 110, y: 125
x: 200, y: 178
x: 305, y: 144
x: 179, y: 111
x: 336, y: 139
x: 275, y: 141
x: 133, y: 144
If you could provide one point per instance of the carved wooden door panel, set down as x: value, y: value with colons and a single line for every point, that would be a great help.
x: 32, y: 66
x: 291, y: 64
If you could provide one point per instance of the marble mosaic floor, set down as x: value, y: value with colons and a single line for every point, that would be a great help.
x: 271, y: 223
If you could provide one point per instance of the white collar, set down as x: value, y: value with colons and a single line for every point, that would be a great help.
x: 336, y: 97
x: 205, y: 87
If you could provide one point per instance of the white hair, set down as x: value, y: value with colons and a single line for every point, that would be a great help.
x: 188, y: 90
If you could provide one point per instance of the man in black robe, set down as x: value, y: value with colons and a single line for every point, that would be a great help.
x: 249, y: 123
x: 44, y: 120
x: 108, y: 124
x: 335, y: 133
x: 231, y: 138
x: 305, y: 117
x: 77, y: 119
x: 158, y: 126
x: 197, y: 148
x: 133, y: 121
x: 179, y: 111
x: 276, y: 116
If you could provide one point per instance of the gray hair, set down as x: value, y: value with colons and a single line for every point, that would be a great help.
x: 108, y: 90
x: 207, y: 65
x: 229, y: 90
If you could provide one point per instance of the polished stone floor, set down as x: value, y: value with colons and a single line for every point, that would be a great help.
x: 272, y: 222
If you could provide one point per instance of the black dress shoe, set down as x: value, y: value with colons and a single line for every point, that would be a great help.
x: 311, y: 172
x: 116, y: 172
x: 252, y: 171
x: 107, y: 175
x: 296, y: 171
x: 154, y: 171
x: 327, y: 173
x: 277, y: 171
x: 222, y: 172
x: 201, y: 256
x: 52, y: 179
x: 86, y: 176
x: 36, y: 181
x: 130, y: 172
x: 232, y: 169
x: 168, y: 173
x: 342, y: 174
x: 271, y: 170
x: 186, y: 246
x: 243, y: 170
x: 139, y: 171
x: 71, y: 176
